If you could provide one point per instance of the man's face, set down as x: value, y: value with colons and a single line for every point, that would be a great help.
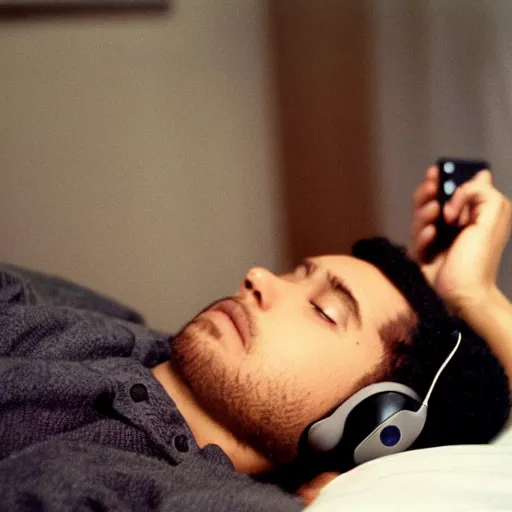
x: 287, y: 349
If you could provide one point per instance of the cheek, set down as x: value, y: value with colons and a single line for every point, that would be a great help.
x: 314, y: 356
x: 320, y: 361
x: 295, y: 340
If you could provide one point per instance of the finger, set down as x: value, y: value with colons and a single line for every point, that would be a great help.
x: 432, y: 173
x: 427, y: 190
x: 427, y: 214
x: 425, y: 193
x: 423, y: 240
x: 484, y: 176
x: 470, y: 193
x: 464, y: 217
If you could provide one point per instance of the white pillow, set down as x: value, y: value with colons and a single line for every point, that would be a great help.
x: 451, y: 478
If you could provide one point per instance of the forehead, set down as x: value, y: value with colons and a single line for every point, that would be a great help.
x: 379, y: 300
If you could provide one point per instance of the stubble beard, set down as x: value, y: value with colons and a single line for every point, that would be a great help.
x: 262, y: 412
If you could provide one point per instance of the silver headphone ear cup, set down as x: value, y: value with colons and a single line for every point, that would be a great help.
x: 326, y: 434
x: 398, y: 407
x: 409, y: 425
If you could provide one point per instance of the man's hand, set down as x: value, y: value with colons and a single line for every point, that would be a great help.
x: 309, y: 491
x: 464, y: 275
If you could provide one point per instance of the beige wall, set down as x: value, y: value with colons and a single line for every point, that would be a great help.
x: 136, y: 152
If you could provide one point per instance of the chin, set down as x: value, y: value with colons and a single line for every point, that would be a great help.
x: 259, y: 406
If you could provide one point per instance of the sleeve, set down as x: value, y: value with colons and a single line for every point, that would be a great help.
x: 13, y: 290
x: 33, y: 324
x: 22, y: 286
x: 77, y: 476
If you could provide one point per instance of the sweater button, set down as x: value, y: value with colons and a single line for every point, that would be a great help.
x: 181, y: 443
x: 139, y: 393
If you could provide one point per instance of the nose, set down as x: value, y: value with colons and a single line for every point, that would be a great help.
x: 262, y: 285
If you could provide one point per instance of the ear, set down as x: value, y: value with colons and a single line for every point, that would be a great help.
x: 309, y: 491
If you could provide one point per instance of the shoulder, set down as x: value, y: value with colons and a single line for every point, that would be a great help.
x: 14, y: 289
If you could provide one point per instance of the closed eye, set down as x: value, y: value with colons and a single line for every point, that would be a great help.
x: 322, y: 313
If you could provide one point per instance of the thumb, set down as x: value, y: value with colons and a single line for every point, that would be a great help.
x: 469, y: 196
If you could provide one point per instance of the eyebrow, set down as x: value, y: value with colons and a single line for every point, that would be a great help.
x: 340, y: 290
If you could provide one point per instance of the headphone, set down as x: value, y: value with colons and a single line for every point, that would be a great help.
x: 378, y: 420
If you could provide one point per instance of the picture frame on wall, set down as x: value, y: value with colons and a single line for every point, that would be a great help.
x: 58, y: 5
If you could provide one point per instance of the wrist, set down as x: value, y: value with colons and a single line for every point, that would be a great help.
x: 477, y: 304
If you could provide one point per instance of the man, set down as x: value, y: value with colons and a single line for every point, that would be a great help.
x: 100, y: 413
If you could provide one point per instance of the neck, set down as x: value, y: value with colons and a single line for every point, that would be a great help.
x: 205, y: 428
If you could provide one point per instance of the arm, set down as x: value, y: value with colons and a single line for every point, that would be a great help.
x: 55, y: 291
x: 46, y: 317
x: 465, y: 275
x: 33, y: 325
x: 492, y: 320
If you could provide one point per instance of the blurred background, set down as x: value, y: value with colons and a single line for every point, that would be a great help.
x: 155, y: 157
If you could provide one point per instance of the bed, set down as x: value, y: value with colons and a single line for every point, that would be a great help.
x: 451, y: 478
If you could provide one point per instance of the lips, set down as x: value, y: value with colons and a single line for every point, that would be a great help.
x: 240, y: 317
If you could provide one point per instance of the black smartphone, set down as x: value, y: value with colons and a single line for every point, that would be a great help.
x: 453, y: 172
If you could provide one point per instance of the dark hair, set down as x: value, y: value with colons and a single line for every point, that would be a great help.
x: 471, y: 400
